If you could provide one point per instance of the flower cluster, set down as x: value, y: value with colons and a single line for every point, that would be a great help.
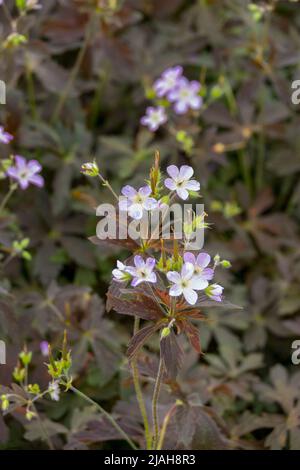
x: 178, y: 91
x: 193, y: 276
x: 136, y: 202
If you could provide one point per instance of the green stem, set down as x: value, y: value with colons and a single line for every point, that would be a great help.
x: 139, y: 393
x: 157, y: 387
x: 165, y: 425
x: 7, y: 197
x: 106, y: 414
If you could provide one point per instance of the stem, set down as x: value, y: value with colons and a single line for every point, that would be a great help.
x: 158, y: 383
x: 7, y: 197
x: 106, y: 414
x: 139, y: 393
x: 165, y: 425
x: 106, y: 183
x: 75, y: 70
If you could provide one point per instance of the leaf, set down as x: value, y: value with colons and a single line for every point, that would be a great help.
x: 140, y: 338
x: 171, y: 354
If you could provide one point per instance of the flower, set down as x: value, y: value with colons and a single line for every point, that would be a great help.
x: 180, y: 180
x: 168, y: 80
x: 214, y: 291
x: 120, y: 274
x: 5, y: 137
x: 90, y: 169
x: 154, y: 118
x: 200, y: 266
x: 143, y: 270
x: 26, y: 172
x: 184, y: 283
x: 135, y: 202
x: 54, y: 391
x: 44, y: 347
x: 185, y: 95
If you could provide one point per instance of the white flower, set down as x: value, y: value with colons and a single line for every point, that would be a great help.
x: 180, y: 180
x: 135, y: 202
x: 185, y: 95
x: 154, y: 118
x: 185, y: 283
x: 120, y: 274
x: 168, y: 80
x: 214, y: 291
x: 54, y: 391
x: 142, y: 271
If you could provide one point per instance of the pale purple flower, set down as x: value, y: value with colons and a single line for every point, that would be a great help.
x: 185, y: 96
x: 167, y: 81
x: 44, y: 347
x: 142, y: 271
x: 54, y: 391
x: 135, y: 202
x: 214, y: 291
x: 201, y: 271
x: 180, y: 180
x: 184, y: 283
x: 5, y: 137
x: 120, y: 273
x: 25, y: 173
x: 154, y: 118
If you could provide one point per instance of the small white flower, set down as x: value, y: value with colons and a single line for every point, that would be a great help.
x: 135, y: 202
x: 120, y: 274
x: 214, y: 291
x: 180, y: 180
x: 168, y: 80
x: 186, y: 96
x: 184, y: 283
x: 154, y: 118
x: 54, y: 391
x: 142, y: 271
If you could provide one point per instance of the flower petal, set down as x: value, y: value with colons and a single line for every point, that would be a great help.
x: 186, y: 172
x: 190, y: 296
x: 139, y: 262
x: 136, y: 211
x: 145, y: 190
x: 192, y: 185
x: 150, y: 263
x: 170, y: 184
x: 175, y: 290
x: 182, y: 193
x: 203, y: 260
x: 173, y: 171
x: 173, y: 276
x: 189, y: 257
x: 128, y: 191
x: 187, y: 271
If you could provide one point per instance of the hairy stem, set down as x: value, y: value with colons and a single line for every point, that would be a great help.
x: 139, y: 393
x: 106, y: 414
x: 157, y: 387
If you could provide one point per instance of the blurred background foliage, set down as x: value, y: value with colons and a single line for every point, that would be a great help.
x: 78, y: 80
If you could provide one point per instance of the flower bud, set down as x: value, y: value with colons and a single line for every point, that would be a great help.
x: 90, y: 169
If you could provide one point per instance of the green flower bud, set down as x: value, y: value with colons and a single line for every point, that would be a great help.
x: 25, y: 357
x: 90, y: 169
x: 165, y: 332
